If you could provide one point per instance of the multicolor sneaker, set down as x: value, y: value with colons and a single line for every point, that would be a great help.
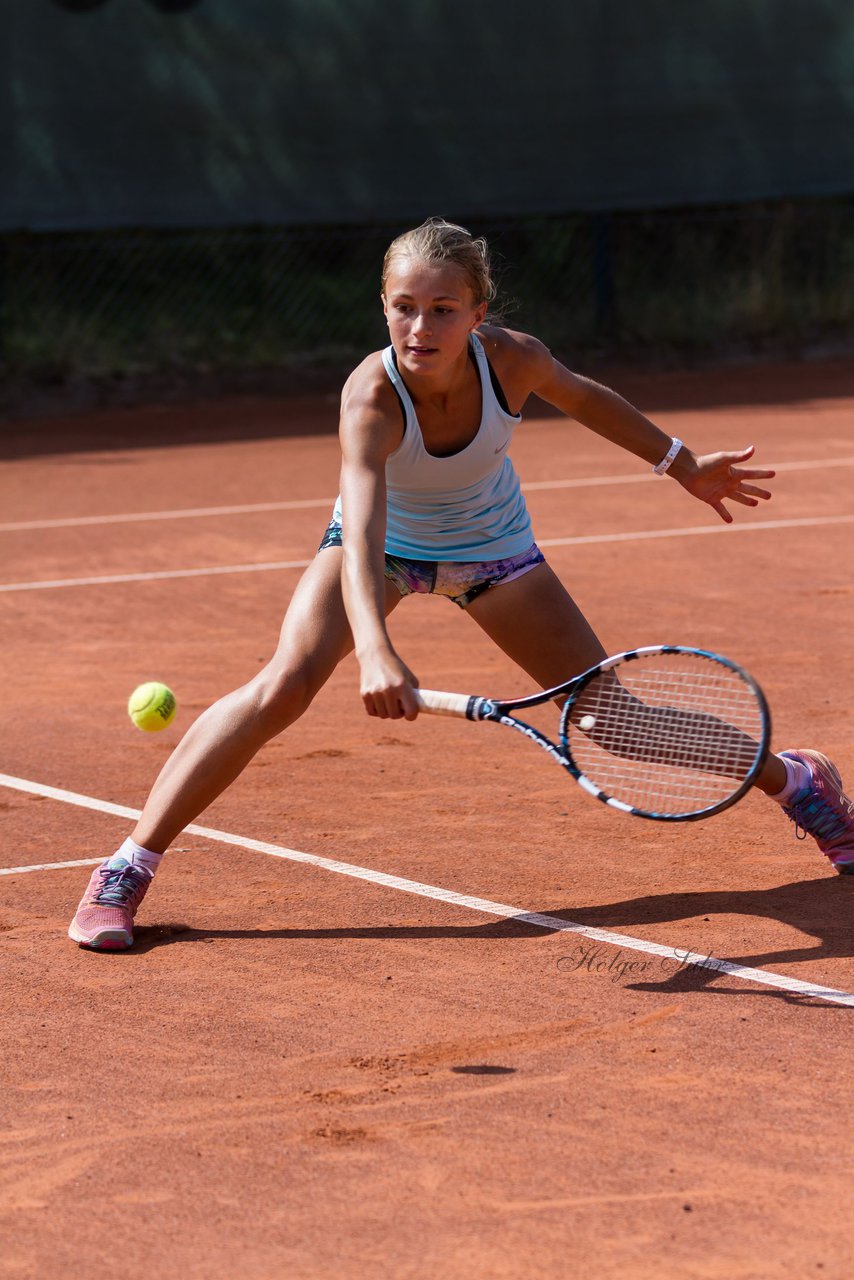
x: 822, y: 810
x: 104, y: 919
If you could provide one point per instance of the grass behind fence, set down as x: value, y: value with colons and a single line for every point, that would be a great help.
x: 667, y: 285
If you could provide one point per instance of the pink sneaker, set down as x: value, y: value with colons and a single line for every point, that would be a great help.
x: 823, y: 811
x: 104, y: 919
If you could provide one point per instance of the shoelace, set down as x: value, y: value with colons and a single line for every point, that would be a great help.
x: 119, y: 886
x: 815, y: 816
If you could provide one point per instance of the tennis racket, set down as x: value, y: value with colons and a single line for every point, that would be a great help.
x: 665, y: 732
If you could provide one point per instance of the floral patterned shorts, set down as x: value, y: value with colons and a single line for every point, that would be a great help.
x: 459, y: 580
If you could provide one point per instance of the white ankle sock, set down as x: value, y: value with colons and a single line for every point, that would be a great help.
x: 139, y: 857
x: 797, y: 777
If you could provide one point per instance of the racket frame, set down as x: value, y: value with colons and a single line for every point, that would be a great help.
x: 499, y: 712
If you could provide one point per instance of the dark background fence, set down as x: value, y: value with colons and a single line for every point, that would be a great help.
x: 210, y: 186
x: 665, y: 285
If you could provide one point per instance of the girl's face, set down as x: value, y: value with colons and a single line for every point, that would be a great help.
x: 431, y: 312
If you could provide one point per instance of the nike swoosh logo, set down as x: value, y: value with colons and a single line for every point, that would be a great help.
x: 502, y: 446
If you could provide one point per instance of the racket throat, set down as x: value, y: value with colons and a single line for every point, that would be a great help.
x: 557, y: 753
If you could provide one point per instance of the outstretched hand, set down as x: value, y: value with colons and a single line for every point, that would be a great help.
x: 717, y: 478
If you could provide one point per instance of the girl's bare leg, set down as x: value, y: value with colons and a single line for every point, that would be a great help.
x: 535, y: 621
x: 315, y: 636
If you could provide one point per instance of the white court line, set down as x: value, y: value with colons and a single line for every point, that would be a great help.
x: 185, y: 513
x: 188, y: 513
x: 108, y: 579
x: 483, y: 905
x: 803, y: 522
x: 50, y: 866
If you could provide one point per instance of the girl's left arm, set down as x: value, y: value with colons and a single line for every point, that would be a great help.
x: 714, y: 478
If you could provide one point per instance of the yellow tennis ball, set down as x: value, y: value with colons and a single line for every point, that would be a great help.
x: 152, y: 706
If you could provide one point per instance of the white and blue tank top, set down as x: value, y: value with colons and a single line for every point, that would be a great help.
x: 465, y: 507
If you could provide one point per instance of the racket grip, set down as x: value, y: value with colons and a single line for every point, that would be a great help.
x: 443, y: 704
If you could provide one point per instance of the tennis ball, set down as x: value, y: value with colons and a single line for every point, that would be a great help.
x: 586, y: 723
x: 152, y: 706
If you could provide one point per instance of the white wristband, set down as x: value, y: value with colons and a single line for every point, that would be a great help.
x: 667, y: 460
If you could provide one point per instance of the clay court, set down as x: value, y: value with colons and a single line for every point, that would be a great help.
x: 413, y: 1005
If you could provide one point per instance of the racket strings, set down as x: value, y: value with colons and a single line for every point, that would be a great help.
x: 678, y: 733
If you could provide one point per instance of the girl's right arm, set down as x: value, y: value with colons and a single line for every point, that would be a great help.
x: 369, y: 431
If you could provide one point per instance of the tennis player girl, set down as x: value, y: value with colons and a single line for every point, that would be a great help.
x: 430, y: 502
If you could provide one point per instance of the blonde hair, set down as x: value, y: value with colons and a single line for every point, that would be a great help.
x: 440, y: 241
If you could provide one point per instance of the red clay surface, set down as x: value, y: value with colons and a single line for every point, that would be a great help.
x: 299, y: 1073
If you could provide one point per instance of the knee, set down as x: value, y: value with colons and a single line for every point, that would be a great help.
x: 279, y: 698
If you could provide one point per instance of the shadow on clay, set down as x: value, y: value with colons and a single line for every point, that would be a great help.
x: 820, y: 908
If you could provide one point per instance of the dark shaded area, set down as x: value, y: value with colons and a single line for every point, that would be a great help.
x: 231, y: 112
x: 197, y: 193
x: 120, y: 317
x: 484, y: 1069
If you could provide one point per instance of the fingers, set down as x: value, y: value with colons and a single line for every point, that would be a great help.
x: 752, y: 491
x: 719, y: 478
x: 408, y: 704
x: 398, y: 703
x: 742, y: 455
x: 385, y: 707
x: 752, y: 475
x: 747, y: 496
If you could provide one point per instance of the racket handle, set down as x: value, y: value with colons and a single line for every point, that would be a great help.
x: 444, y: 704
